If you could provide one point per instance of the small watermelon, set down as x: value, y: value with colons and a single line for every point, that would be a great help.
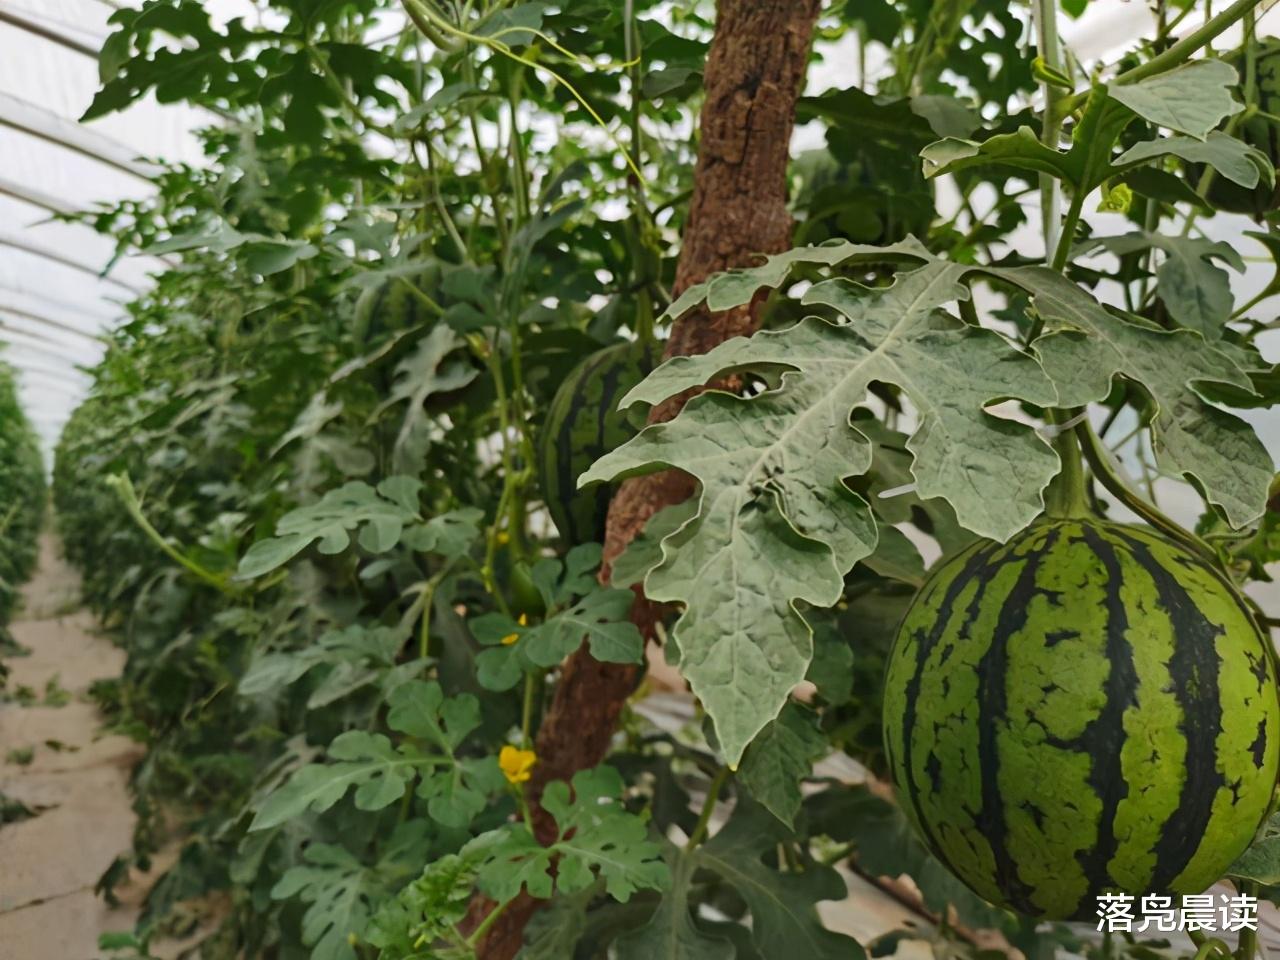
x: 1088, y: 708
x: 582, y: 425
x: 393, y: 305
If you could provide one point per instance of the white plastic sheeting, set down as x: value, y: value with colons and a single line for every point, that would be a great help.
x: 53, y: 301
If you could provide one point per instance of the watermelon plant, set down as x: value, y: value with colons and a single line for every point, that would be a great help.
x: 481, y: 388
x: 22, y: 490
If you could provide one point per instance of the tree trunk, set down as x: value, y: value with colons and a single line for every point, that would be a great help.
x: 755, y: 72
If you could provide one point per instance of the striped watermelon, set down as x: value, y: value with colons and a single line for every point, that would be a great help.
x: 391, y: 305
x: 1087, y: 708
x: 582, y: 425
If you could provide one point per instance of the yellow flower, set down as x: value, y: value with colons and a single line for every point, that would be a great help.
x: 511, y: 638
x: 517, y: 764
x: 503, y: 538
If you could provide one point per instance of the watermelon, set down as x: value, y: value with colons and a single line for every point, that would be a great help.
x: 583, y: 423
x: 1088, y: 708
x: 391, y: 305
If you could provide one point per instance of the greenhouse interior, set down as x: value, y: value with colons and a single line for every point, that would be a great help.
x: 635, y: 480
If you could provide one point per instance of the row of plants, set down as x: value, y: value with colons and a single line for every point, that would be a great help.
x: 22, y: 490
x: 325, y: 487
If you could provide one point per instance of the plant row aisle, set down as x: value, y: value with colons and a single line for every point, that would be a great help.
x: 389, y: 498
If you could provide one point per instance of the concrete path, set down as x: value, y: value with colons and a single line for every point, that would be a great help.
x: 76, y: 779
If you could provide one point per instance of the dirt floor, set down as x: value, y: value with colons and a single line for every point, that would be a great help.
x: 76, y: 779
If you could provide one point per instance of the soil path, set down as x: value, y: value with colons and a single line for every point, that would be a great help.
x: 75, y: 781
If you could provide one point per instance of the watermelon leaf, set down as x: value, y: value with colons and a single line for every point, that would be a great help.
x: 1191, y: 99
x: 1085, y: 348
x: 672, y: 933
x: 339, y: 889
x: 380, y: 515
x: 772, y: 470
x: 779, y: 758
x: 1233, y: 158
x: 381, y: 773
x: 784, y: 916
x: 1196, y: 291
x: 886, y: 845
x: 596, y: 836
x: 424, y: 373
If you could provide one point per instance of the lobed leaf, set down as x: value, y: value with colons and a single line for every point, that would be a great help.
x: 772, y: 472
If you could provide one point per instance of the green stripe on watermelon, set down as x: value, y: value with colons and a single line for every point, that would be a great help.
x: 1087, y: 708
x: 583, y: 423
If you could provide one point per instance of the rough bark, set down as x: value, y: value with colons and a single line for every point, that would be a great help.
x: 755, y: 72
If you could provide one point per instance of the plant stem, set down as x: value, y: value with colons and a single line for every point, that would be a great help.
x: 1063, y: 251
x: 1046, y: 23
x: 1248, y: 936
x: 526, y: 712
x: 1184, y: 48
x: 708, y: 808
x: 1096, y: 456
x: 1179, y: 52
x: 133, y: 506
x: 1067, y: 493
x: 478, y: 933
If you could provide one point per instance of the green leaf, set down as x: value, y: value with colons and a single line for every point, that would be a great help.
x: 427, y: 372
x: 342, y: 891
x: 596, y: 837
x: 456, y: 790
x: 421, y: 710
x: 733, y: 288
x: 602, y: 617
x: 645, y: 551
x: 368, y: 762
x: 1192, y: 99
x: 1260, y: 863
x: 449, y: 535
x: 779, y: 758
x: 1085, y: 348
x: 268, y: 257
x: 1021, y: 150
x: 886, y: 845
x: 555, y: 931
x: 359, y: 653
x: 671, y: 933
x: 772, y: 472
x: 425, y: 911
x: 947, y: 116
x: 339, y: 890
x: 1196, y: 292
x: 1232, y: 158
x: 784, y: 918
x: 379, y: 514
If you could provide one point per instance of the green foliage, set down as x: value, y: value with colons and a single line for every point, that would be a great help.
x: 323, y: 489
x: 22, y: 496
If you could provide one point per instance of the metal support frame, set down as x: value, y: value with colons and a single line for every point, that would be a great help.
x: 51, y: 324
x: 34, y: 307
x: 17, y: 243
x: 51, y: 29
x: 39, y: 122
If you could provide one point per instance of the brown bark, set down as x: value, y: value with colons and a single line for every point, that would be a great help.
x: 755, y: 72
